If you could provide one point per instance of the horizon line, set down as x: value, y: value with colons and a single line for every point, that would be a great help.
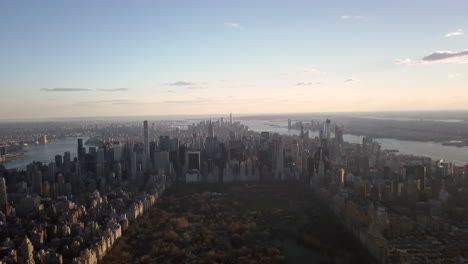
x: 221, y: 114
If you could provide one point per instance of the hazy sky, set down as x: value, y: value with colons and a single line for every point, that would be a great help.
x: 111, y: 57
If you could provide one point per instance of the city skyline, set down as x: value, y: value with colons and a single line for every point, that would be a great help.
x: 111, y: 58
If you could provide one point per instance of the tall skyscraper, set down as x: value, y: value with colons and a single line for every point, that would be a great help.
x: 327, y: 130
x: 3, y: 196
x: 59, y: 161
x: 133, y: 166
x: 231, y: 121
x: 146, y: 149
x: 339, y: 129
x: 211, y: 131
x: 81, y: 151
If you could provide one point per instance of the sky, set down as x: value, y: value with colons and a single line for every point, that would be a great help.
x: 91, y: 58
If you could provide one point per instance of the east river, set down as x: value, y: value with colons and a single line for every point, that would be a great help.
x: 434, y: 150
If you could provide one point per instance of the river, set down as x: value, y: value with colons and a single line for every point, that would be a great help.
x: 46, y: 152
x: 434, y: 150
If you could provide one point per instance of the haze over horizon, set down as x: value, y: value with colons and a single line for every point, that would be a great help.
x: 111, y: 58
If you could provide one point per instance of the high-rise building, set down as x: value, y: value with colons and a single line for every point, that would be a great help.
x: 192, y: 160
x: 164, y: 143
x: 81, y: 151
x: 133, y: 166
x: 211, y: 131
x: 146, y: 150
x: 327, y: 130
x: 161, y: 160
x: 100, y: 163
x: 118, y: 150
x: 37, y: 182
x: 192, y: 166
x: 339, y: 130
x: 59, y: 161
x: 3, y: 196
x: 51, y: 171
x: 231, y: 121
x: 25, y: 252
x: 67, y: 159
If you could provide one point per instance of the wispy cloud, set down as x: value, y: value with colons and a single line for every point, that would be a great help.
x: 65, y: 89
x: 114, y: 90
x: 351, y: 80
x: 456, y: 33
x: 108, y: 101
x: 111, y: 101
x: 311, y: 70
x: 196, y: 101
x: 303, y: 71
x: 353, y: 18
x: 233, y: 25
x: 196, y: 87
x: 181, y: 83
x: 306, y: 83
x: 454, y: 75
x: 452, y: 57
x: 83, y: 89
x: 228, y: 100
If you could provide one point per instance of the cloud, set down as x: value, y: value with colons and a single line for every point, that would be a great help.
x: 438, y: 57
x: 229, y: 100
x: 353, y: 18
x: 196, y: 87
x: 306, y: 83
x: 107, y: 101
x: 65, y: 89
x: 181, y: 83
x: 233, y: 25
x: 114, y: 90
x: 454, y: 75
x: 351, y: 80
x: 82, y: 90
x: 456, y: 33
x: 305, y: 70
x: 111, y: 101
x: 197, y: 101
x: 311, y: 70
x: 170, y: 91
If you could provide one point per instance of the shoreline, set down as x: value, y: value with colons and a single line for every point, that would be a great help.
x: 448, y: 143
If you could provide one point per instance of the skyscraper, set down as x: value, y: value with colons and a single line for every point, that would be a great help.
x: 211, y: 131
x: 146, y: 149
x: 230, y: 119
x: 327, y: 130
x: 164, y: 143
x: 133, y: 166
x: 80, y: 150
x: 339, y: 133
x: 3, y: 196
